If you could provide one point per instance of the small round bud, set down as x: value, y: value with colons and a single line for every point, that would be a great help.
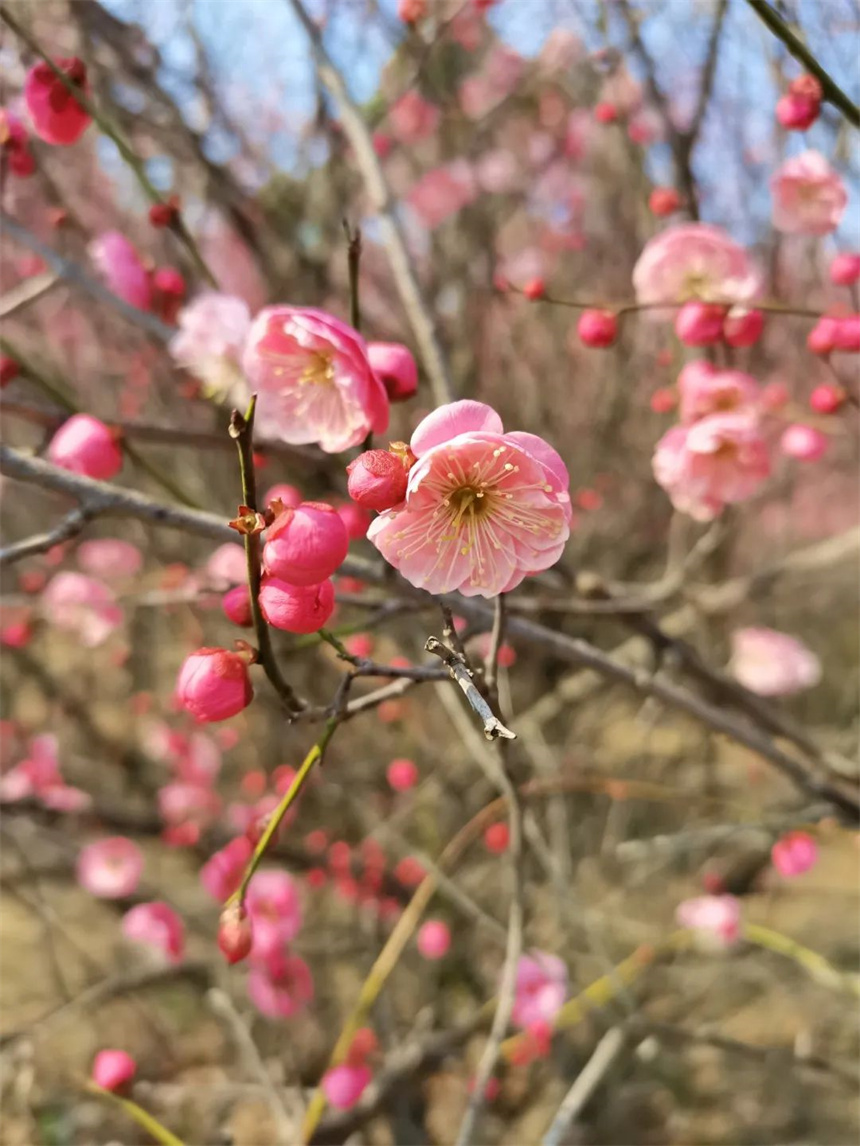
x: 395, y: 367
x: 743, y: 327
x: 235, y: 935
x: 804, y: 443
x: 597, y: 328
x: 9, y: 369
x: 87, y: 446
x: 845, y: 269
x: 377, y: 480
x: 296, y: 608
x: 534, y: 289
x: 699, y: 323
x: 113, y: 1069
x: 822, y: 338
x: 214, y: 685
x: 664, y: 400
x: 236, y: 604
x: 664, y: 201
x: 826, y: 398
x: 305, y: 545
x: 434, y: 939
x: 497, y: 837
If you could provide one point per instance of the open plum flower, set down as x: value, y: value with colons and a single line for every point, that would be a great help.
x: 483, y: 508
x: 694, y: 261
x: 313, y: 379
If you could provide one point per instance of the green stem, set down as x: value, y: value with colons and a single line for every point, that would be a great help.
x: 107, y: 128
x: 815, y: 965
x: 150, y: 1124
x: 313, y: 757
x: 242, y: 429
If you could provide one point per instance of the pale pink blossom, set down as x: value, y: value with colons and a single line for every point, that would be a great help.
x: 81, y: 605
x: 276, y: 913
x: 809, y: 197
x: 441, y: 193
x: 313, y: 379
x: 121, y: 267
x: 281, y: 987
x: 344, y: 1085
x: 227, y: 565
x: 716, y: 916
x: 110, y: 558
x: 498, y: 171
x: 113, y: 1069
x: 720, y: 460
x: 212, y: 332
x: 771, y: 663
x: 804, y: 443
x: 694, y: 261
x: 222, y: 873
x: 540, y: 989
x: 483, y: 508
x: 706, y: 390
x: 110, y: 868
x: 413, y: 118
x: 158, y: 926
x: 184, y: 803
x: 794, y: 854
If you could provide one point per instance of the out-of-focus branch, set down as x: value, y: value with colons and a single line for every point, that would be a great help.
x: 69, y: 527
x: 72, y: 273
x: 833, y: 93
x: 584, y: 1085
x: 709, y: 74
x: 402, y: 269
x: 26, y: 292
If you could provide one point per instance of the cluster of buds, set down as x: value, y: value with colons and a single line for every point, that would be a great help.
x: 799, y: 108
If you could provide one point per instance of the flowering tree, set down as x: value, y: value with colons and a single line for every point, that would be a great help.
x: 416, y: 541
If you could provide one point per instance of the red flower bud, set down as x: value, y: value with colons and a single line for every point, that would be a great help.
x: 377, y: 480
x: 234, y: 933
x: 597, y: 328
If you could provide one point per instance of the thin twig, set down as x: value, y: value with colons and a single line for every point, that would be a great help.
x: 497, y: 636
x: 242, y: 432
x: 27, y: 292
x: 69, y: 527
x: 584, y: 1085
x: 402, y: 269
x: 493, y: 727
x: 832, y: 91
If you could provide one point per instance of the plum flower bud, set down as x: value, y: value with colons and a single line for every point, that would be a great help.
x: 356, y: 519
x: 664, y: 201
x: 296, y: 608
x: 663, y: 400
x: 497, y: 837
x: 377, y: 480
x: 402, y: 774
x: 213, y: 684
x: 344, y: 1085
x: 534, y: 289
x: 822, y: 338
x: 9, y: 369
x: 597, y: 328
x: 848, y: 334
x: 168, y: 289
x: 434, y: 939
x: 86, y: 446
x: 605, y: 112
x: 236, y: 604
x: 845, y: 269
x: 395, y: 367
x: 288, y: 495
x: 122, y: 269
x: 798, y: 109
x: 826, y: 398
x: 699, y: 323
x: 57, y: 116
x: 113, y: 1069
x: 305, y: 545
x: 411, y: 11
x: 743, y: 327
x: 794, y: 854
x: 804, y: 443
x: 235, y: 935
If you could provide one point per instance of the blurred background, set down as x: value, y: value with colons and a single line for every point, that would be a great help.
x: 500, y: 172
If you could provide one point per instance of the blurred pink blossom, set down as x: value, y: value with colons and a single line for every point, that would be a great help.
x: 56, y: 115
x: 313, y: 379
x: 281, y: 987
x: 541, y: 989
x: 212, y: 333
x: 794, y: 854
x: 413, y: 118
x: 222, y: 872
x: 694, y: 261
x: 227, y: 565
x: 110, y: 558
x: 85, y: 445
x: 805, y: 443
x: 81, y: 605
x: 483, y: 508
x: 121, y: 267
x: 809, y: 196
x: 717, y: 916
x: 720, y: 460
x: 442, y: 192
x: 113, y: 1069
x: 771, y: 663
x: 706, y: 390
x: 433, y: 939
x: 110, y: 868
x: 344, y: 1085
x: 275, y: 909
x: 560, y: 50
x: 156, y: 925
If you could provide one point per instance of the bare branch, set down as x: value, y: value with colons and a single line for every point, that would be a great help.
x: 584, y: 1085
x: 493, y: 727
x: 70, y: 526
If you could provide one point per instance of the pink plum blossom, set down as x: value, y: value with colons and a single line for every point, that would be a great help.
x: 413, y: 118
x: 110, y: 868
x: 805, y: 443
x: 287, y: 494
x: 236, y: 605
x: 275, y: 910
x: 845, y: 269
x: 483, y: 508
x: 344, y: 1085
x: 356, y: 518
x: 809, y: 197
x: 227, y: 565
x: 718, y: 461
x: 794, y: 854
x: 38, y: 777
x: 281, y: 987
x: 213, y: 684
x: 296, y: 608
x: 402, y: 774
x: 439, y: 194
x: 222, y: 872
x: 706, y: 390
x: 694, y: 261
x: 57, y: 116
x: 771, y: 663
x: 110, y: 558
x: 212, y: 333
x: 113, y: 1069
x: 434, y: 939
x: 81, y: 605
x: 313, y: 378
x: 158, y: 926
x: 395, y: 367
x: 717, y: 916
x: 184, y: 803
x: 540, y: 989
x: 86, y: 446
x: 235, y: 935
x: 120, y: 265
